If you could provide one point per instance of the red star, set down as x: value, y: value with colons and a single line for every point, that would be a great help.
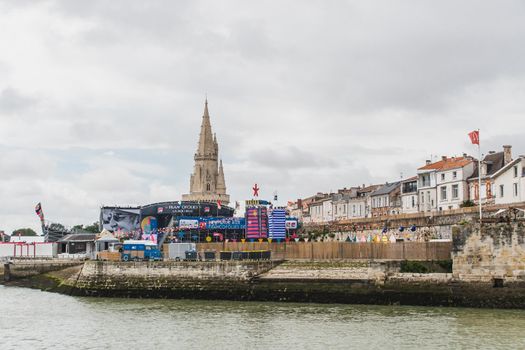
x: 255, y: 191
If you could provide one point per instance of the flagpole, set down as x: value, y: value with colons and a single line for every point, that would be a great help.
x: 479, y: 179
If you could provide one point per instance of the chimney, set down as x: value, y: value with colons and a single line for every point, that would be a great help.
x: 507, y: 154
x: 443, y: 157
x: 464, y: 155
x: 483, y: 171
x: 428, y: 161
x: 492, y: 152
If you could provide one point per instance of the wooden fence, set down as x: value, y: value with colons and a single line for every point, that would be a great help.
x: 425, y: 251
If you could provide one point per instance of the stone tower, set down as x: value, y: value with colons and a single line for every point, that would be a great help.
x: 207, y: 181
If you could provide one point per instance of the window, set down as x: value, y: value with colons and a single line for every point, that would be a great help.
x: 501, y: 190
x: 442, y: 177
x: 413, y: 201
x: 454, y: 174
x: 515, y: 171
x: 455, y: 191
x: 353, y: 208
x: 523, y: 172
x: 443, y: 190
x: 422, y: 197
x: 208, y: 187
x: 515, y: 189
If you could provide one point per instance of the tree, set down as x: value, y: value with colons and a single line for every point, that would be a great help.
x: 94, y: 228
x: 467, y: 203
x: 25, y: 232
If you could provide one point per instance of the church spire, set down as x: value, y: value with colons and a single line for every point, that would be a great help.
x: 221, y: 183
x: 206, y: 146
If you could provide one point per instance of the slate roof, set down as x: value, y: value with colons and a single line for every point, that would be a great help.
x: 410, y: 179
x: 386, y: 189
x: 79, y: 237
x: 494, y: 161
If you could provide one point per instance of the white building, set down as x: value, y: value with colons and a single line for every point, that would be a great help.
x: 452, y: 183
x: 340, y: 206
x: 321, y: 210
x: 443, y: 185
x: 409, y: 197
x: 509, y: 182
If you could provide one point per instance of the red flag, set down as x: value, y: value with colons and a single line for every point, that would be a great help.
x: 219, y: 206
x: 474, y: 137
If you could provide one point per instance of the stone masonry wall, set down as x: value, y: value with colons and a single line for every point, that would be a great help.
x: 495, y: 253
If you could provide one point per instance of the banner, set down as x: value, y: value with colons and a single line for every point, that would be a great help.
x: 123, y: 219
x: 225, y: 223
x: 189, y: 223
x: 256, y: 222
x: 277, y: 224
x: 291, y: 224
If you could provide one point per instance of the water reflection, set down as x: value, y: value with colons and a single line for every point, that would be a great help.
x: 62, y: 322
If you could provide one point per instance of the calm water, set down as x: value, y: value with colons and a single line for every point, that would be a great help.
x: 31, y: 319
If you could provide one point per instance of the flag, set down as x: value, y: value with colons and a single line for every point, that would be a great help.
x: 219, y: 206
x: 39, y: 212
x: 474, y: 137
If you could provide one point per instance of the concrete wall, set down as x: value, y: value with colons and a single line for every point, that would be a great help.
x: 497, y: 252
x: 28, y: 268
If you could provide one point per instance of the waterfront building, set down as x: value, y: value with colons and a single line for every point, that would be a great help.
x: 363, y: 202
x: 490, y: 165
x: 509, y: 182
x: 409, y: 197
x: 443, y: 185
x: 341, y: 203
x: 321, y: 209
x: 451, y: 180
x: 386, y: 200
x: 207, y: 182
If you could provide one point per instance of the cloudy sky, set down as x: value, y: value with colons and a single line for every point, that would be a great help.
x: 101, y: 101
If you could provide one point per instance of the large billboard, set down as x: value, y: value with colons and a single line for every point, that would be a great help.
x: 180, y: 209
x: 116, y: 218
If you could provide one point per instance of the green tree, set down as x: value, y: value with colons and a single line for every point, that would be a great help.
x: 25, y: 232
x: 94, y: 228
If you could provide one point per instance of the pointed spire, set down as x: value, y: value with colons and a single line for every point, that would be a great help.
x: 221, y: 183
x: 206, y: 114
x: 206, y: 145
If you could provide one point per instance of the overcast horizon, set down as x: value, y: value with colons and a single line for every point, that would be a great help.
x: 101, y: 102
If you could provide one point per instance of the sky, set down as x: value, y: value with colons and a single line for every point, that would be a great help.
x: 101, y: 101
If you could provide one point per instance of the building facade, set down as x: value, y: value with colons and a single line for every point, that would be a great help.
x: 490, y: 165
x: 409, y: 197
x: 509, y: 182
x: 207, y: 182
x: 386, y: 200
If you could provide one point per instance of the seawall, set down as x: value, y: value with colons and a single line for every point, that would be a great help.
x: 355, y: 282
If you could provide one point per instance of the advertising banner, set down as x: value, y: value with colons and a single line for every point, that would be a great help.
x: 291, y: 224
x: 225, y: 223
x: 124, y: 219
x: 277, y: 224
x: 189, y: 223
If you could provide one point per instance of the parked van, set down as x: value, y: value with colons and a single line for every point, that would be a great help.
x: 140, y: 250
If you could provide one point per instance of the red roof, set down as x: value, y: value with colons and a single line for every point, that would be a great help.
x: 448, y: 163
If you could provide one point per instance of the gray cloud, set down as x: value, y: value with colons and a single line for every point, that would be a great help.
x: 104, y: 99
x: 12, y: 101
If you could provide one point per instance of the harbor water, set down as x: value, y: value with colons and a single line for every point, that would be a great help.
x: 31, y: 319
